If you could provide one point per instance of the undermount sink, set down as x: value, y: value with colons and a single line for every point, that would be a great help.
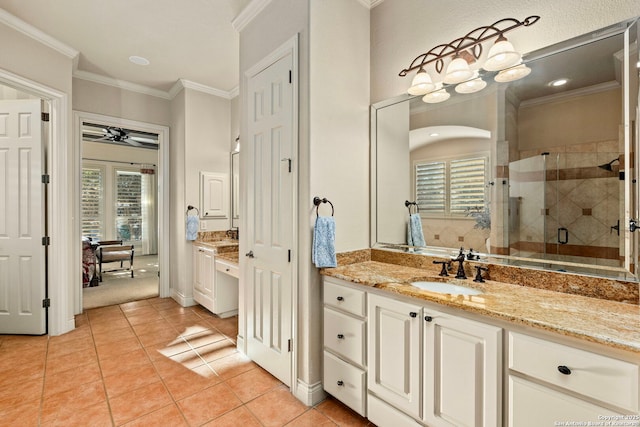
x: 446, y: 288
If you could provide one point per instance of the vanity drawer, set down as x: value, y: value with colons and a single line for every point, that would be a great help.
x: 345, y: 298
x: 227, y: 268
x: 603, y: 378
x: 344, y: 335
x: 345, y: 382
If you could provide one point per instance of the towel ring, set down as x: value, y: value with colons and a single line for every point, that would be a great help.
x: 191, y: 208
x: 408, y: 204
x: 317, y: 200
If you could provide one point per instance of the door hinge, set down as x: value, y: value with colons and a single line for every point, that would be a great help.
x: 46, y: 303
x: 46, y: 241
x: 46, y: 179
x: 45, y: 117
x: 290, y: 76
x: 289, y: 255
x: 289, y: 345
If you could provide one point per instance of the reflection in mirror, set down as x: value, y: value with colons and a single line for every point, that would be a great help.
x: 532, y: 172
x: 235, y: 189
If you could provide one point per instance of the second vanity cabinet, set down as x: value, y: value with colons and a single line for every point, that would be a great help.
x: 442, y: 369
x: 215, y: 283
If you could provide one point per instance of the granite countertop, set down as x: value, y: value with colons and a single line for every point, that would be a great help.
x: 230, y: 257
x: 220, y: 246
x: 610, y: 323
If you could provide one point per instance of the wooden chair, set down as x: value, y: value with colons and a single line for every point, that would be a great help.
x: 114, y: 251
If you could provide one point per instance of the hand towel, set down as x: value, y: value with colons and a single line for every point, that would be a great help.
x: 193, y: 224
x: 414, y: 231
x: 323, y: 251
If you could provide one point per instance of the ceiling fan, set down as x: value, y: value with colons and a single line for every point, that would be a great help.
x: 117, y: 135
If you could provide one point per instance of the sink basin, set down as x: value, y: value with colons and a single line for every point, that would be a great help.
x: 446, y: 288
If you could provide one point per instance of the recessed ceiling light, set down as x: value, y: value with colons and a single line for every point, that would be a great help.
x: 559, y: 82
x: 139, y: 60
x: 434, y: 134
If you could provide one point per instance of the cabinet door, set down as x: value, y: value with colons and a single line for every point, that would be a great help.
x: 204, y: 264
x: 462, y: 375
x: 394, y: 353
x: 533, y: 405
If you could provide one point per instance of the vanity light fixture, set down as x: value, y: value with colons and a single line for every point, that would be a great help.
x: 465, y: 59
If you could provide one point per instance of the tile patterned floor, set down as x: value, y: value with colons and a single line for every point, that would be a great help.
x: 148, y: 363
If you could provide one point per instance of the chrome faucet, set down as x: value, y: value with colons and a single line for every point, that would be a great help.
x: 460, y: 258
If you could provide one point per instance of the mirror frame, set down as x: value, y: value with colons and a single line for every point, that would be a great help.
x: 631, y: 124
x: 235, y: 196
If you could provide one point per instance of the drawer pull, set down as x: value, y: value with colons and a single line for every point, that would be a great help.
x: 413, y: 314
x: 340, y: 299
x: 340, y: 383
x: 564, y: 370
x: 340, y: 336
x: 428, y: 318
x: 226, y: 269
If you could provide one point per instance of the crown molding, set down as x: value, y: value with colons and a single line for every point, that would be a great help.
x: 374, y: 3
x: 122, y: 84
x: 188, y: 84
x: 31, y: 31
x: 248, y: 14
x: 589, y: 90
x: 234, y: 92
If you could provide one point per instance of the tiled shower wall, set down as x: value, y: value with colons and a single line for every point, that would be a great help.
x: 578, y: 195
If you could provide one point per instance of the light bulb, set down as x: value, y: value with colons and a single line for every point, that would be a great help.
x: 458, y: 71
x: 501, y: 55
x: 421, y: 83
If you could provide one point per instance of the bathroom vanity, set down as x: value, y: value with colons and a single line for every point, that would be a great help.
x: 401, y: 355
x: 215, y: 279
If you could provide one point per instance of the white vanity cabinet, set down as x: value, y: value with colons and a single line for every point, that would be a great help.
x: 344, y: 355
x: 462, y: 381
x: 442, y: 369
x: 394, y: 353
x: 215, y: 282
x: 203, y: 276
x: 571, y: 384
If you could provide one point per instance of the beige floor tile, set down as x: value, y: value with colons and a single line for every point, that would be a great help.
x: 122, y: 362
x: 251, y: 384
x: 142, y: 401
x: 238, y: 417
x: 340, y: 414
x: 116, y: 348
x: 208, y: 404
x: 192, y: 382
x: 311, y: 418
x: 72, y: 400
x: 232, y: 365
x: 167, y: 416
x: 71, y: 378
x: 131, y: 379
x: 276, y: 407
x: 24, y: 413
x: 217, y: 350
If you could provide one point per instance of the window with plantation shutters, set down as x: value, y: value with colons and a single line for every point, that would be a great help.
x: 431, y: 187
x: 451, y: 187
x: 128, y: 205
x: 93, y: 202
x: 466, y: 189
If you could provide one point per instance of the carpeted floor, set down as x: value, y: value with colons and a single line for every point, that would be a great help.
x: 117, y: 287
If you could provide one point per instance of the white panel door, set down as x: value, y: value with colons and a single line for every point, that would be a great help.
x: 22, y: 256
x: 462, y: 372
x: 394, y: 353
x: 270, y: 219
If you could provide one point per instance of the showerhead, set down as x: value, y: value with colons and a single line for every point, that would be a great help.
x: 607, y: 166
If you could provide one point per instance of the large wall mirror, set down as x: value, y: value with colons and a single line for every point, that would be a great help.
x: 529, y: 172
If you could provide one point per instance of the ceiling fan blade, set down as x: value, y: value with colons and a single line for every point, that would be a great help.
x: 132, y: 142
x: 142, y: 139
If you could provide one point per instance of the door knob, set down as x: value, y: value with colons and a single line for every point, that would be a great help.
x: 249, y: 254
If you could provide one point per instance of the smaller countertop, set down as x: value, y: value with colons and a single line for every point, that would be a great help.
x: 230, y: 257
x: 613, y: 324
x: 219, y: 246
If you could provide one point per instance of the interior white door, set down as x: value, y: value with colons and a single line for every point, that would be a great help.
x: 270, y: 225
x: 22, y: 255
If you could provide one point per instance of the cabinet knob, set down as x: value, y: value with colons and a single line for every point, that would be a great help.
x: 226, y: 269
x: 340, y: 383
x: 340, y: 336
x: 340, y: 299
x: 413, y: 314
x: 564, y: 370
x: 428, y: 318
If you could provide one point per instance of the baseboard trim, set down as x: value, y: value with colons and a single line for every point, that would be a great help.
x: 240, y: 345
x: 310, y: 394
x: 181, y: 299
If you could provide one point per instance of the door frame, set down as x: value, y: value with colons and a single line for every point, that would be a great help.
x: 61, y: 256
x: 163, y: 191
x: 288, y: 47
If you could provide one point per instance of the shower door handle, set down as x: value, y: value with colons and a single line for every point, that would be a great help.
x: 563, y: 235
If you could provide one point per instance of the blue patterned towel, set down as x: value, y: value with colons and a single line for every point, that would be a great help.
x: 323, y: 252
x: 193, y: 224
x: 414, y: 231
